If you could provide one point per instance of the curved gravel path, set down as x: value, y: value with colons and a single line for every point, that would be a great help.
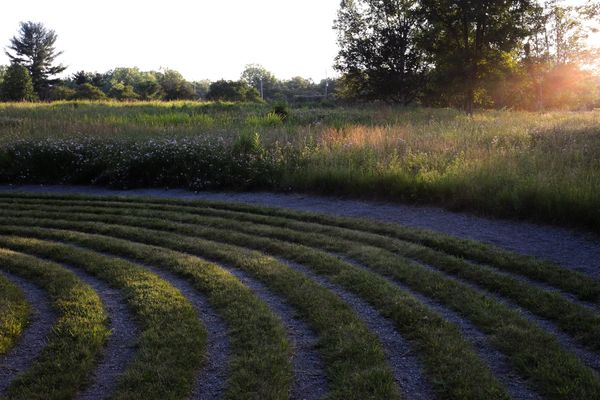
x: 120, y: 346
x: 576, y: 250
x: 211, y: 380
x: 589, y: 357
x: 33, y: 338
x: 499, y: 364
x: 408, y: 371
x: 310, y: 382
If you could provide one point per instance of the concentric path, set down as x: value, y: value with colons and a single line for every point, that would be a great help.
x: 239, y: 301
x: 33, y: 339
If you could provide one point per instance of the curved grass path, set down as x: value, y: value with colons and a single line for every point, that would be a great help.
x: 14, y: 313
x: 75, y: 342
x: 336, y: 273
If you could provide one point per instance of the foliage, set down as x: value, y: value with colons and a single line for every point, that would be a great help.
x: 379, y: 54
x: 17, y: 84
x: 87, y: 91
x: 232, y: 91
x: 62, y: 92
x: 174, y: 86
x: 34, y: 48
x: 261, y: 79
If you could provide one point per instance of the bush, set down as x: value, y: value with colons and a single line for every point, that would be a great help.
x: 232, y: 91
x: 87, y: 91
x: 62, y: 92
x: 17, y: 84
x: 281, y: 109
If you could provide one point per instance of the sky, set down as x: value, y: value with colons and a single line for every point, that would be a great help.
x: 202, y: 39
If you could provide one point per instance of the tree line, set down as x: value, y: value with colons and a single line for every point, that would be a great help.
x: 31, y: 77
x: 469, y: 53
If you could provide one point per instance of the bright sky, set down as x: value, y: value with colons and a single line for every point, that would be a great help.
x: 202, y: 39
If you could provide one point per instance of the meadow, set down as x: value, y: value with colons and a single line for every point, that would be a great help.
x: 537, y: 166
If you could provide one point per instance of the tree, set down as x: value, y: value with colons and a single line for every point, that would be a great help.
x: 33, y: 48
x: 469, y: 39
x: 232, y: 91
x: 174, y: 86
x: 17, y: 84
x: 379, y: 55
x: 261, y: 79
x: 555, y: 53
x: 120, y: 91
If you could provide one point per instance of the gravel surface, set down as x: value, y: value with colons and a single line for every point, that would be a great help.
x: 407, y: 368
x: 33, y: 339
x: 589, y: 357
x: 120, y: 346
x: 310, y: 382
x: 573, y: 249
x: 211, y: 380
x: 499, y: 364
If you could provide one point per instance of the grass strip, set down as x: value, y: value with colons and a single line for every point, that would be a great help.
x: 580, y: 322
x: 552, y: 368
x: 172, y: 340
x: 259, y: 365
x: 14, y: 314
x: 76, y: 340
x: 453, y: 367
x: 579, y: 284
x: 354, y: 360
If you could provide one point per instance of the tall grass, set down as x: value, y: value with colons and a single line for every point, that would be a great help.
x: 544, y: 167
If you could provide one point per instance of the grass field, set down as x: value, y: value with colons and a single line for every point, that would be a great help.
x: 476, y: 322
x: 543, y: 167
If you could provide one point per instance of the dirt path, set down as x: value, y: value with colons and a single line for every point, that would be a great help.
x: 571, y: 249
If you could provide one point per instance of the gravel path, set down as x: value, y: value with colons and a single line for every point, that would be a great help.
x: 407, y: 369
x: 576, y: 250
x: 589, y: 357
x: 310, y: 382
x: 211, y: 380
x: 33, y: 338
x: 498, y: 362
x: 120, y: 346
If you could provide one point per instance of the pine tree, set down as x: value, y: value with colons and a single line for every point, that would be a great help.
x: 33, y: 48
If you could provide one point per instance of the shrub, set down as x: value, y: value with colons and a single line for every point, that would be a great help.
x: 17, y: 84
x: 87, y: 91
x: 62, y: 92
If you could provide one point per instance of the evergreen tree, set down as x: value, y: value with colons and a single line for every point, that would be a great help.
x: 33, y: 48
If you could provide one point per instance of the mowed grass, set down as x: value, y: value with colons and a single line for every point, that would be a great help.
x: 14, y: 313
x: 75, y: 342
x: 195, y: 239
x: 542, y: 167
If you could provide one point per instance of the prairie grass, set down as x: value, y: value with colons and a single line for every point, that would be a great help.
x: 543, y: 167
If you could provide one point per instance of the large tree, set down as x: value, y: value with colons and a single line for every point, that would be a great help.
x: 470, y: 39
x: 34, y: 48
x: 379, y: 55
